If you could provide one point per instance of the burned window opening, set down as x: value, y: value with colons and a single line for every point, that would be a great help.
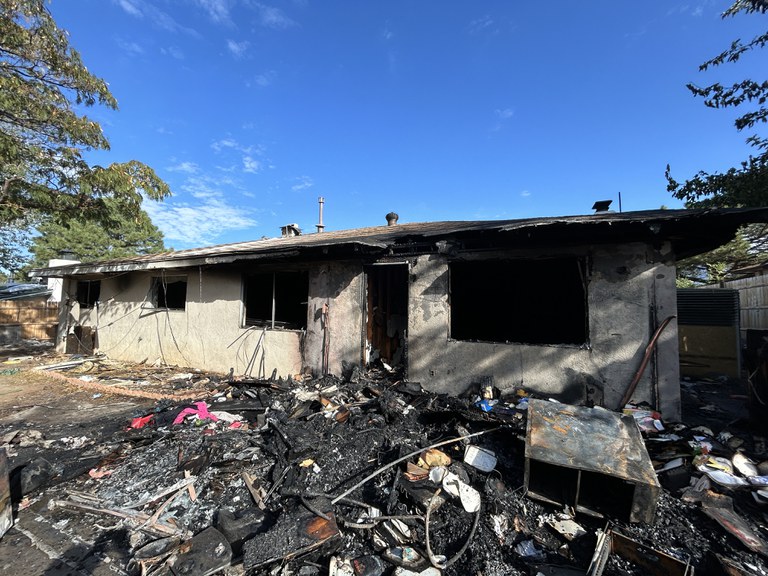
x: 88, y: 292
x: 169, y: 292
x: 523, y: 301
x: 276, y: 300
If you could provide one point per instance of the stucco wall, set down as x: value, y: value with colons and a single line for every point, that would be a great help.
x: 630, y: 287
x: 206, y: 334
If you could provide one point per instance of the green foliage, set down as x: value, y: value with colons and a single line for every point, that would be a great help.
x: 724, y: 263
x: 89, y: 241
x: 746, y: 184
x: 43, y: 136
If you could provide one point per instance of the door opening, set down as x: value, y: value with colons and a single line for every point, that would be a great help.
x: 387, y: 321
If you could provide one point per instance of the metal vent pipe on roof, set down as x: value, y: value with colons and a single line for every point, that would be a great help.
x: 320, y: 225
x: 392, y: 218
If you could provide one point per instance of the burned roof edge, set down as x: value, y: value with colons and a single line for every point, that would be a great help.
x: 383, y: 237
x: 119, y: 266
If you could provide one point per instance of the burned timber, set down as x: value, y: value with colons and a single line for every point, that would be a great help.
x: 481, y: 398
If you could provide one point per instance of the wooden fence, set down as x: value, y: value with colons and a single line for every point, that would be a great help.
x: 38, y: 319
x: 753, y: 295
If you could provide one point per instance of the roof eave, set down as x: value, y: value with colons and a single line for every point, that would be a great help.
x: 175, y: 264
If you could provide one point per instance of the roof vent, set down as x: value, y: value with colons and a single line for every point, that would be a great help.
x: 290, y: 230
x: 392, y: 218
x: 320, y: 225
x: 602, y: 206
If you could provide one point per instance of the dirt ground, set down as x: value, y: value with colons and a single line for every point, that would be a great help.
x: 39, y: 402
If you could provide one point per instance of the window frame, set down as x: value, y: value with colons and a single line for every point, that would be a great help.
x: 88, y: 303
x: 164, y: 281
x: 274, y: 322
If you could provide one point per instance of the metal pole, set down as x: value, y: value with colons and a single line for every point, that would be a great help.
x: 273, y: 300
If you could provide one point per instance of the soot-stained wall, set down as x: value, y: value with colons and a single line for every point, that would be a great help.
x: 588, y: 313
x: 208, y: 333
x: 629, y: 290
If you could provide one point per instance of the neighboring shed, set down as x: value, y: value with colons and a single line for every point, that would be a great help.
x: 562, y: 306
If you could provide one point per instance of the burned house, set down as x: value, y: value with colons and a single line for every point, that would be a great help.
x: 565, y: 306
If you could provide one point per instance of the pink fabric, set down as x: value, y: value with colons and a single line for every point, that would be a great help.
x: 201, y: 411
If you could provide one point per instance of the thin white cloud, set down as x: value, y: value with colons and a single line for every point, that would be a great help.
x: 205, y: 187
x: 251, y: 165
x: 187, y: 167
x: 200, y: 224
x: 205, y: 215
x: 502, y: 116
x: 144, y: 9
x: 696, y: 10
x: 130, y: 48
x: 525, y: 193
x: 302, y: 183
x: 218, y: 10
x: 247, y: 161
x: 274, y: 18
x: 265, y: 79
x: 238, y: 49
x: 481, y: 24
x: 200, y: 189
x: 173, y: 52
x: 130, y: 8
x: 219, y: 145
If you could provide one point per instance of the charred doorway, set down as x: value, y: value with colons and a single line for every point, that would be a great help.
x: 387, y: 314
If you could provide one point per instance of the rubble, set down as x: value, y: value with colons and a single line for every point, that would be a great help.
x: 589, y: 459
x: 6, y: 508
x: 376, y: 476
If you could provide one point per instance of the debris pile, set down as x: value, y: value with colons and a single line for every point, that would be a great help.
x: 372, y: 475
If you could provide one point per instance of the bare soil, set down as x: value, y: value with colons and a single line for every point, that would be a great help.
x: 46, y: 407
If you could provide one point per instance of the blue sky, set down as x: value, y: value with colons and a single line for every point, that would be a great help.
x: 448, y: 110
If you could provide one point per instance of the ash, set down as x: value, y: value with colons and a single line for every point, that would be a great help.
x: 299, y: 477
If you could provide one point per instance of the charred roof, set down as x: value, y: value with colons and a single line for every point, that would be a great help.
x: 689, y: 232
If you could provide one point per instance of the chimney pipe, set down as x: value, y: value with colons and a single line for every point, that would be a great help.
x: 392, y: 218
x: 320, y: 225
x: 290, y: 230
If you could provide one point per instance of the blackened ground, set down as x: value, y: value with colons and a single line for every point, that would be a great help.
x: 303, y: 448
